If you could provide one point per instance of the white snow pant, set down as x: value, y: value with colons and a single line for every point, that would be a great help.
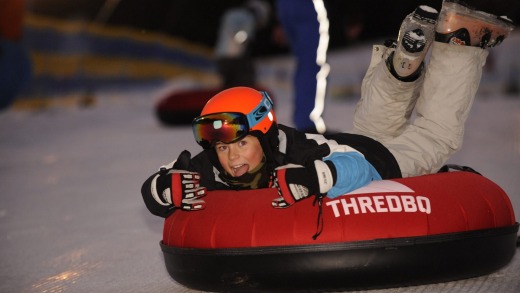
x: 442, y: 98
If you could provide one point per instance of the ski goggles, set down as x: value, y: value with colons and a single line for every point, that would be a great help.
x: 228, y: 127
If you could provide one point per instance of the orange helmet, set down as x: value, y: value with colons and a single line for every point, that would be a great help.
x: 232, y: 114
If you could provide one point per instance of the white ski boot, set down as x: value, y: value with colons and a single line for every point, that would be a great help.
x: 462, y: 25
x: 415, y: 37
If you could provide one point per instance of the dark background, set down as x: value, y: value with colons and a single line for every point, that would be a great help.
x: 198, y: 20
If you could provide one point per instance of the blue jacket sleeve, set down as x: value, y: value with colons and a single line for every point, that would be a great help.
x: 352, y: 171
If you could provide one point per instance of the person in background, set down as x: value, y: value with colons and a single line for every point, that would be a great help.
x: 236, y: 34
x: 306, y: 27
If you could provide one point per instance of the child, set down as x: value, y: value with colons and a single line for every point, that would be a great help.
x: 245, y: 148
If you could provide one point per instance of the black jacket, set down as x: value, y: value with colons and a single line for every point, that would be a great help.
x: 294, y: 147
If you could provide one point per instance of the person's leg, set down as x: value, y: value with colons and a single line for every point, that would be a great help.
x: 450, y: 85
x: 305, y: 24
x: 451, y: 82
x: 305, y: 82
x: 390, y: 88
x: 386, y: 103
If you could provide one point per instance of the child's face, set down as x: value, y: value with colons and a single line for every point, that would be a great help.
x: 239, y: 157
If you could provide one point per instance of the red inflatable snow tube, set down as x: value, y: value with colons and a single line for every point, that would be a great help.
x: 401, y: 232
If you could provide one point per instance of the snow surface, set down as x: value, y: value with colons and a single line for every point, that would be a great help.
x: 71, y: 214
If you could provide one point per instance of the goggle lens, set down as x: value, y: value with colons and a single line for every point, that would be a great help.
x: 224, y: 127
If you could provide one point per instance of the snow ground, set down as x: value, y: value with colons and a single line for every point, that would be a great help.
x: 71, y: 214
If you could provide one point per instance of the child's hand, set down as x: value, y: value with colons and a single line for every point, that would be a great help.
x: 179, y: 188
x: 293, y: 183
x: 297, y: 182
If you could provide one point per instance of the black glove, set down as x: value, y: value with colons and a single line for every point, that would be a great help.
x: 173, y: 187
x: 179, y: 188
x: 297, y: 182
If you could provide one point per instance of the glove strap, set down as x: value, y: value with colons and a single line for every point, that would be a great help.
x: 159, y: 198
x: 325, y: 175
x: 177, y: 190
x: 284, y: 187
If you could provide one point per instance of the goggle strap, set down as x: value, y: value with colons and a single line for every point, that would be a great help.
x: 255, y: 116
